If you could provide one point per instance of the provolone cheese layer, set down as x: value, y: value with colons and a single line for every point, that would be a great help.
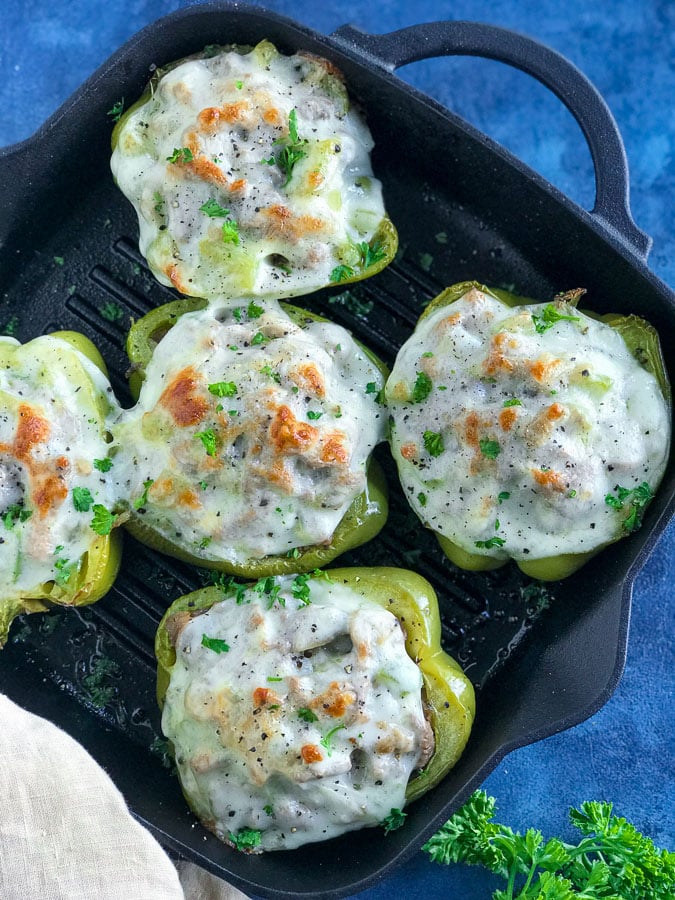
x: 251, y: 434
x: 308, y: 725
x: 516, y: 443
x: 54, y: 404
x: 250, y: 173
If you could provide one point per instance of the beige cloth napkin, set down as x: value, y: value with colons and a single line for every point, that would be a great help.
x: 66, y: 833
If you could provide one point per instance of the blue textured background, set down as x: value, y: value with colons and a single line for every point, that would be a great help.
x: 624, y: 753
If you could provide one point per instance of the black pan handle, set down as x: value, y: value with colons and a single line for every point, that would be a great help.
x: 569, y: 84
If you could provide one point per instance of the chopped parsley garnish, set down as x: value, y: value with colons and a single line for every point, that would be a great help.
x: 223, y: 388
x: 422, y: 387
x: 307, y: 715
x: 371, y: 255
x: 514, y: 401
x: 503, y: 495
x: 11, y: 326
x: 489, y: 448
x: 103, y: 520
x: 111, y: 311
x: 230, y: 231
x: 208, y: 439
x: 213, y: 209
x: 64, y: 570
x: 300, y: 588
x: 269, y: 588
x: 246, y: 839
x: 490, y: 543
x: 15, y: 513
x: 341, y: 273
x: 181, y: 154
x: 633, y: 499
x: 549, y: 317
x: 433, y: 443
x: 269, y: 371
x: 59, y: 260
x: 116, y: 110
x: 215, y: 644
x: 422, y: 499
x: 253, y: 311
x: 394, y: 820
x: 82, y: 499
x: 291, y: 151
x: 142, y: 501
x: 311, y: 414
x: 274, y: 678
x: 327, y: 740
x: 159, y: 202
x: 239, y: 84
x: 259, y: 338
x: 97, y: 691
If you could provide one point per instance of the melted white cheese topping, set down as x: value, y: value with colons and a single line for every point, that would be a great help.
x: 251, y: 434
x: 517, y: 437
x: 229, y: 118
x: 308, y: 726
x: 53, y: 404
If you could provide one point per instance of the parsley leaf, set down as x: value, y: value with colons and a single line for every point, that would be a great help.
x: 490, y: 543
x: 215, y: 644
x: 433, y: 443
x: 208, y: 439
x: 142, y: 501
x: 213, y: 209
x: 291, y: 149
x: 549, y: 317
x: 181, y: 154
x: 246, y: 839
x: 223, y: 388
x: 394, y: 820
x: 514, y: 401
x: 103, y: 465
x: 490, y: 449
x: 82, y: 499
x: 253, y: 311
x: 14, y: 513
x: 422, y: 387
x: 371, y: 254
x: 612, y: 859
x: 307, y: 715
x: 103, y: 520
x: 230, y: 232
x: 635, y: 499
x: 341, y: 273
x: 327, y: 740
x: 311, y: 414
x: 116, y: 110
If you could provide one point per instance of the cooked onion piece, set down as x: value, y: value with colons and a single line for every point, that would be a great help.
x: 250, y: 173
x: 530, y: 432
x: 56, y: 494
x: 251, y: 437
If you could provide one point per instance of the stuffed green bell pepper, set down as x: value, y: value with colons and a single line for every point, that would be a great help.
x: 250, y: 174
x: 528, y: 431
x: 304, y: 706
x: 249, y: 447
x: 56, y: 496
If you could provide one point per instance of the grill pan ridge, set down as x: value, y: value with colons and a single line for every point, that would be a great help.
x: 542, y: 658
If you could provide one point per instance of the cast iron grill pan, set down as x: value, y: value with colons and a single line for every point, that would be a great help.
x: 542, y: 658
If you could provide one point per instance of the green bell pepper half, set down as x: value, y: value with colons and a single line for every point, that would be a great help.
x: 448, y: 694
x: 363, y: 520
x: 100, y: 564
x: 642, y: 340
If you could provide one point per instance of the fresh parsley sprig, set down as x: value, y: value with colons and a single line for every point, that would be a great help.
x: 612, y: 860
x: 549, y: 317
x: 291, y: 150
x: 633, y: 499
